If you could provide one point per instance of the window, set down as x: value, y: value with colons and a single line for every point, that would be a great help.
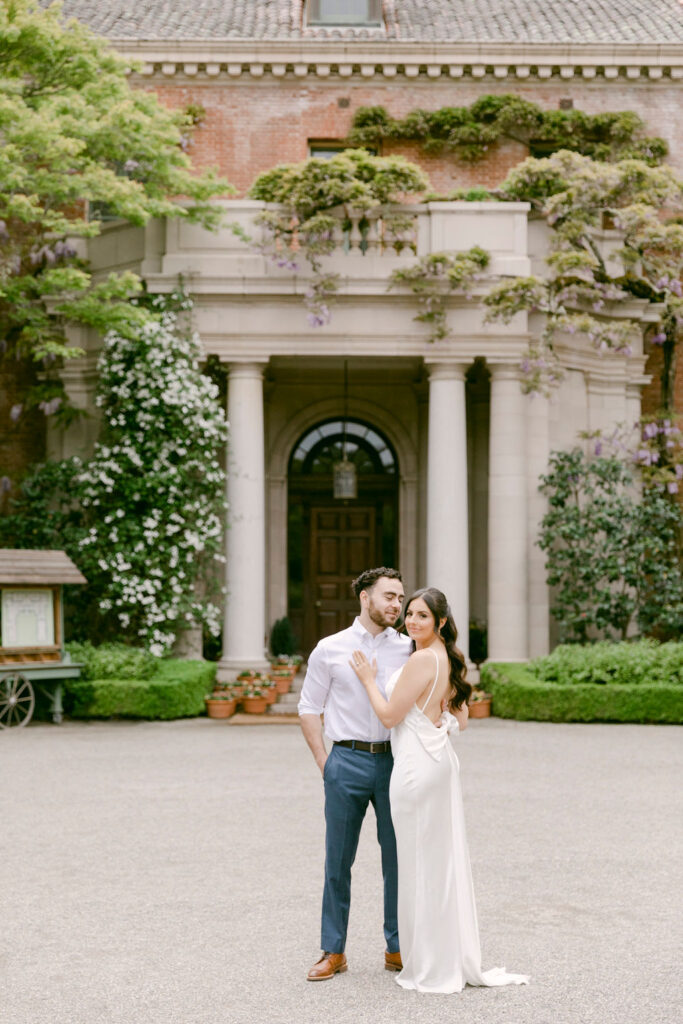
x: 345, y: 12
x: 319, y: 449
x: 325, y: 150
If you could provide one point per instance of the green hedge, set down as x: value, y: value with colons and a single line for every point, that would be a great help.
x: 176, y: 690
x: 640, y: 661
x: 519, y: 693
x: 113, y: 661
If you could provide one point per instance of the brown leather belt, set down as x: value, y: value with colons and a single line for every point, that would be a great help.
x: 380, y: 747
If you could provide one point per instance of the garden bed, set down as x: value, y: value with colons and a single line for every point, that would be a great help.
x: 639, y: 682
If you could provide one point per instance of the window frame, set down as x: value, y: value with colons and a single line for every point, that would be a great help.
x: 315, y: 16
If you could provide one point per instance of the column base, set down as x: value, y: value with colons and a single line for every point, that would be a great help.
x: 229, y: 667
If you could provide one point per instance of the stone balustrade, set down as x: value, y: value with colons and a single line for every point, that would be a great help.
x: 369, y: 246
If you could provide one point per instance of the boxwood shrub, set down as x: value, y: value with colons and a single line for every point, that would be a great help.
x: 175, y: 690
x: 622, y: 682
x: 112, y: 661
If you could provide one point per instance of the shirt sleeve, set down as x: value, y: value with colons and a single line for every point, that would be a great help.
x: 316, y: 684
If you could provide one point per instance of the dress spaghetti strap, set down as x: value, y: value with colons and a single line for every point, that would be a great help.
x: 422, y: 709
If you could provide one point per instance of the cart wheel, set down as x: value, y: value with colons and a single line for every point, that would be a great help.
x: 17, y: 700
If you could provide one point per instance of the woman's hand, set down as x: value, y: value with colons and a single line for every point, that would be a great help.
x: 462, y: 714
x: 366, y: 672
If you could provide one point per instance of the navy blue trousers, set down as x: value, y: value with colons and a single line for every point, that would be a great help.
x: 353, y: 779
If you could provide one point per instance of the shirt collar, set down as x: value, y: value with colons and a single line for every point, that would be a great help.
x: 365, y: 637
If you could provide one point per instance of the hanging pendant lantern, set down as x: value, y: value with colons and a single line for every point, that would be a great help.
x: 345, y: 477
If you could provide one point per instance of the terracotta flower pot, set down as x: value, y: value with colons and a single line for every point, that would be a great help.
x: 220, y: 708
x: 271, y: 695
x: 283, y: 684
x: 480, y: 708
x: 238, y: 690
x: 254, y: 705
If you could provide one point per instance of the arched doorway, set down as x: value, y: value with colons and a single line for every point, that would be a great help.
x: 331, y: 540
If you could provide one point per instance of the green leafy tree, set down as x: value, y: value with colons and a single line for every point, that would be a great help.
x: 582, y: 287
x: 75, y: 137
x: 314, y: 200
x: 612, y: 551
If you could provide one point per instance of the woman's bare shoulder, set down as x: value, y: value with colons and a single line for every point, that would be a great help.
x: 422, y: 660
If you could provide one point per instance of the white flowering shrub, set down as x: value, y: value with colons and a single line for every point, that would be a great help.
x: 153, y: 492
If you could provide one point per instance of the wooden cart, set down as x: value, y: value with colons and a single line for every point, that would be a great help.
x: 32, y: 652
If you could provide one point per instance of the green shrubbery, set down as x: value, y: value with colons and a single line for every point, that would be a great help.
x: 644, y: 661
x: 113, y: 661
x: 607, y: 682
x: 173, y: 689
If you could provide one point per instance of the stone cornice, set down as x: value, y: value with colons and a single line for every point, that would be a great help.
x: 320, y: 59
x: 379, y: 59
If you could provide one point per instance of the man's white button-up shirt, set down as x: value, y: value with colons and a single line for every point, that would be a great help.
x: 333, y: 688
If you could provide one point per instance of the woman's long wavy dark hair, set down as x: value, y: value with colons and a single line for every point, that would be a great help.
x: 440, y: 609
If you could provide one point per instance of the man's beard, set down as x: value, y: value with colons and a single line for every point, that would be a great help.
x: 381, y: 618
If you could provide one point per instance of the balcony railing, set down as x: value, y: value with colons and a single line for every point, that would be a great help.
x: 368, y: 245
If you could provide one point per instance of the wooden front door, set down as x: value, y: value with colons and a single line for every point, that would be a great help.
x: 342, y: 544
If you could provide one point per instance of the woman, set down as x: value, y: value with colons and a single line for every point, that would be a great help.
x: 437, y: 920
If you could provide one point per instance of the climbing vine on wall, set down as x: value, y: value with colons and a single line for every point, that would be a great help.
x: 470, y: 132
x: 434, y: 277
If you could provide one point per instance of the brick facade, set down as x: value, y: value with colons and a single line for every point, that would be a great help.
x: 251, y: 124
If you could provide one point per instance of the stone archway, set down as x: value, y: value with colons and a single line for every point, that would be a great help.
x: 281, y: 449
x: 331, y: 540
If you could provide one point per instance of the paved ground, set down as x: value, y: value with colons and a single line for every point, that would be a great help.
x: 170, y: 873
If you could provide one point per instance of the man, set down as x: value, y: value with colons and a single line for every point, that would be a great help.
x: 357, y: 769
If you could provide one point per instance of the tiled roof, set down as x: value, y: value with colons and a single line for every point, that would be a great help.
x: 428, y: 21
x: 35, y: 567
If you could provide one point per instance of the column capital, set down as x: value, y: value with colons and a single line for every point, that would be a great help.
x: 254, y: 368
x: 438, y: 369
x: 504, y: 371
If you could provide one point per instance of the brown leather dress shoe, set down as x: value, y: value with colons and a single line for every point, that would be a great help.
x: 327, y: 966
x: 393, y: 962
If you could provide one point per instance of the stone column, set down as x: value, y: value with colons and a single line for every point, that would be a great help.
x: 538, y: 454
x: 244, y: 625
x: 508, y: 527
x: 447, y: 527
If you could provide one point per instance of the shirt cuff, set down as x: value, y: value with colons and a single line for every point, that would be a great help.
x: 305, y: 708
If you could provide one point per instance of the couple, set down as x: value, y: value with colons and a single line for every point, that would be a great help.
x: 367, y: 680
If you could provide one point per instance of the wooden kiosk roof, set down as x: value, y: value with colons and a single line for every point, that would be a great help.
x: 37, y: 567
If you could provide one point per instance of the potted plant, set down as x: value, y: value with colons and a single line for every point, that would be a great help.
x: 244, y: 679
x: 282, y: 676
x: 269, y: 689
x: 253, y: 700
x: 480, y: 701
x: 221, y: 703
x: 283, y: 643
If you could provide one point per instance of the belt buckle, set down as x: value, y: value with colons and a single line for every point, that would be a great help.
x: 379, y: 745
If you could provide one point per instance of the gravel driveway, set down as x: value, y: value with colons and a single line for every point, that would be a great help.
x: 171, y: 873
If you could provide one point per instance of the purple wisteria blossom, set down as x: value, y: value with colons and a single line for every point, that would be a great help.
x: 50, y: 406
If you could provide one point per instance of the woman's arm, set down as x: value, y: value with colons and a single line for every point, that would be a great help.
x: 415, y: 675
x: 462, y: 714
